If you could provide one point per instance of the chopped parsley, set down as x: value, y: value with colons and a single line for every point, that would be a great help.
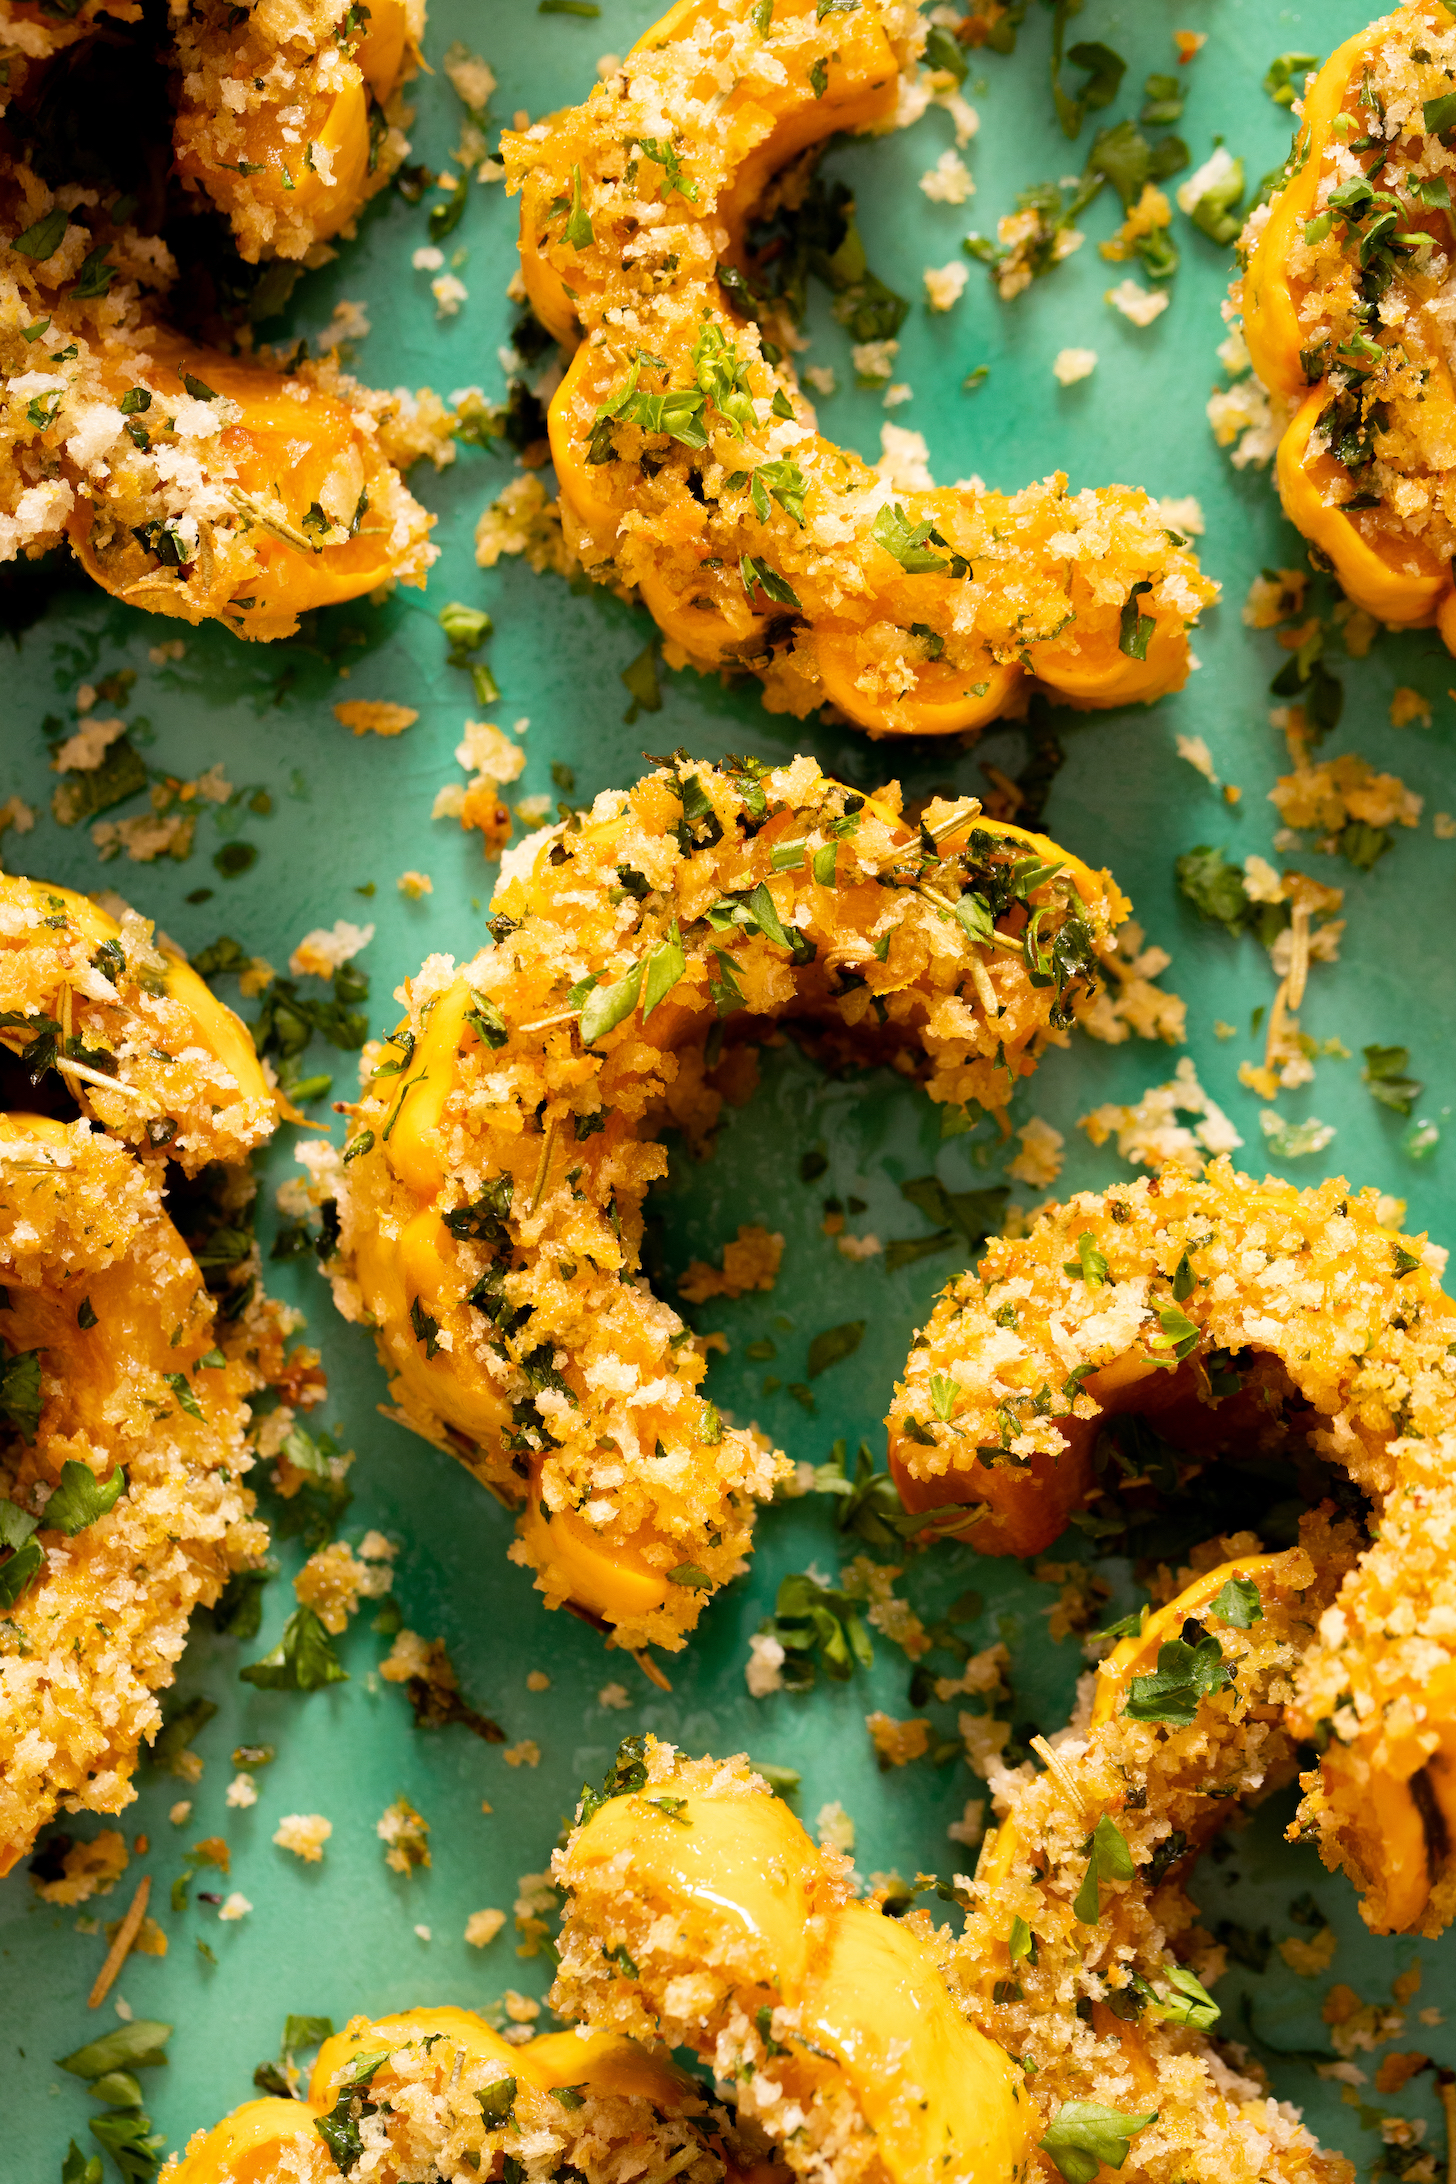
x: 1184, y: 1677
x: 1238, y: 1603
x: 811, y: 1619
x: 833, y: 1344
x: 303, y: 1659
x: 1083, y: 2135
x: 1109, y: 1860
x: 80, y: 1497
x: 1385, y: 1073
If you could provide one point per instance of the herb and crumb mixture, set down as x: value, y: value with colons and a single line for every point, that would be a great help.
x: 489, y: 1198
x: 687, y: 458
x: 435, y: 2093
x: 1346, y: 313
x: 1067, y: 2016
x: 1140, y: 1334
x: 133, y: 1333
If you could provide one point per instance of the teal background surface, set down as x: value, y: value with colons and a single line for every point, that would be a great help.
x: 347, y: 814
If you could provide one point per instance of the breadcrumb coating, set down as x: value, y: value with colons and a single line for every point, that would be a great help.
x: 448, y: 2097
x: 490, y: 1196
x: 290, y: 116
x: 1347, y: 302
x: 142, y: 1045
x: 699, y: 1913
x: 1236, y: 1316
x: 192, y: 483
x: 687, y: 457
x: 135, y: 1369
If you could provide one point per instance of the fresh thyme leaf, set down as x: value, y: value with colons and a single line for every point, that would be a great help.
x: 1238, y: 1603
x: 1185, y: 1675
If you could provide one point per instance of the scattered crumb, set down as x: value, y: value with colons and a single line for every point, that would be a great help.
x: 614, y: 1697
x: 537, y: 1903
x: 423, y: 1932
x: 1148, y: 1133
x: 319, y: 953
x: 1444, y: 826
x: 304, y: 1833
x: 949, y: 181
x: 751, y: 1261
x: 873, y: 361
x: 1039, y: 1162
x: 897, y: 1742
x: 242, y: 1791
x: 449, y: 292
x: 1294, y: 1141
x: 427, y: 259
x: 236, y: 1906
x: 1070, y: 365
x: 1395, y: 2070
x: 482, y: 1927
x: 414, y: 884
x: 403, y: 1831
x: 1328, y: 797
x: 821, y: 378
x: 1189, y: 42
x: 172, y: 648
x: 945, y: 284
x: 15, y: 812
x: 900, y: 392
x: 835, y: 1829
x: 521, y: 2009
x: 150, y: 1939
x: 375, y: 716
x: 1222, y: 1030
x: 1141, y: 305
x: 525, y: 1754
x: 1408, y: 707
x: 971, y: 1825
x: 538, y: 1680
x: 1310, y: 1958
x: 1196, y: 753
x: 180, y: 1813
x: 472, y: 79
x: 904, y: 459
x: 763, y: 1672
x: 858, y: 1247
x: 87, y: 1869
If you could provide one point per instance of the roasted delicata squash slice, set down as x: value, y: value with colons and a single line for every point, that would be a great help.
x: 1341, y: 296
x: 700, y: 1914
x: 686, y: 454
x: 1235, y: 1318
x: 437, y: 2092
x: 490, y: 1195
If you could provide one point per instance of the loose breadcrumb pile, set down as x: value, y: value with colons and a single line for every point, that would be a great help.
x: 1347, y: 309
x: 686, y: 454
x: 189, y: 482
x: 451, y: 2099
x: 1338, y: 1336
x: 86, y: 1648
x: 490, y: 1197
x: 125, y: 1009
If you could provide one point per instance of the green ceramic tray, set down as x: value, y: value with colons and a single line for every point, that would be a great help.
x: 347, y: 1935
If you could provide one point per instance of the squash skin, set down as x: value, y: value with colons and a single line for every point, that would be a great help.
x: 1030, y: 591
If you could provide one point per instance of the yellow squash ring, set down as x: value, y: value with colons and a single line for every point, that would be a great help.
x: 1340, y: 1335
x: 566, y: 1385
x: 1084, y: 595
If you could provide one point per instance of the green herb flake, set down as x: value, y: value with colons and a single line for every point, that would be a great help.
x: 303, y: 1659
x: 1238, y: 1604
x: 1185, y: 1675
x: 1083, y: 2135
x: 833, y: 1344
x: 80, y: 1498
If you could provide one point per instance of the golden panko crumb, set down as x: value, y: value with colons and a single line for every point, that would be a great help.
x: 304, y: 1833
x: 402, y: 1830
x: 751, y: 1261
x: 482, y: 1927
x: 897, y: 1742
x: 375, y: 716
x: 87, y: 1869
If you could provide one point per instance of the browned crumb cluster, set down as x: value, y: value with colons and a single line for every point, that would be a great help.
x: 490, y: 1196
x: 687, y: 458
x: 1236, y: 1315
